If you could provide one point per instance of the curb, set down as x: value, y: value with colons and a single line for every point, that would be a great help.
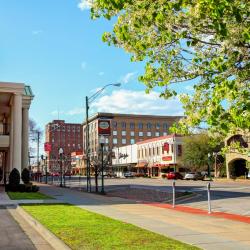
x: 55, y: 242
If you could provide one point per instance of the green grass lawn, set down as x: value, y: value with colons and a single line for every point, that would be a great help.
x: 28, y: 196
x: 81, y: 229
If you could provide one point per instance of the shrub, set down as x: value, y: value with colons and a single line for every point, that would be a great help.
x: 14, y: 178
x: 163, y: 176
x: 25, y: 176
x: 35, y: 188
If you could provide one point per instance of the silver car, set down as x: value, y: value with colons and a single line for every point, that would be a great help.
x: 129, y: 174
x: 194, y: 176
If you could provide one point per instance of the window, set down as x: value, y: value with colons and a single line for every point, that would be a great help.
x: 124, y: 133
x: 140, y: 125
x: 132, y: 125
x: 157, y: 125
x: 123, y: 124
x: 132, y: 141
x: 165, y: 133
x: 165, y: 126
x: 114, y: 140
x: 106, y: 140
x: 124, y: 141
x: 157, y: 134
x: 114, y: 124
x: 132, y: 133
x: 140, y: 133
x: 114, y: 132
x: 149, y: 134
x: 149, y: 126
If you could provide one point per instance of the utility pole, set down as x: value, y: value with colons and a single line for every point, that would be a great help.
x: 38, y: 145
x: 87, y: 147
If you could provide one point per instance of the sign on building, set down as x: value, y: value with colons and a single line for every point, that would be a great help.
x: 104, y: 127
x: 47, y: 147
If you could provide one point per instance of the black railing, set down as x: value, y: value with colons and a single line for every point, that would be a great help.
x: 4, y: 129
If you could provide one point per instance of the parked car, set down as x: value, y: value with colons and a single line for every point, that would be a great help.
x: 129, y: 174
x: 194, y: 176
x: 110, y: 174
x: 174, y: 176
x: 55, y: 174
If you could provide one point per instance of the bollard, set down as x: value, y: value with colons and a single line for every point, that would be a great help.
x: 174, y: 194
x: 209, y: 198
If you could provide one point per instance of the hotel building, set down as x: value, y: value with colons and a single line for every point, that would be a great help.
x: 127, y: 129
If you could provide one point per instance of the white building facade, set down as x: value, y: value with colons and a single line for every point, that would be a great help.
x: 15, y: 100
x: 124, y: 159
x: 152, y: 157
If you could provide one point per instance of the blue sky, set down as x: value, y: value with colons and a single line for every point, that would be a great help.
x: 56, y: 48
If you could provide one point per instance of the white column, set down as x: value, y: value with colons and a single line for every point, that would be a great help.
x: 11, y: 122
x: 17, y: 132
x: 25, y: 138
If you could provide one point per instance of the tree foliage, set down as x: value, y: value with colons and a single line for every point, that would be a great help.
x: 196, y: 149
x: 203, y: 42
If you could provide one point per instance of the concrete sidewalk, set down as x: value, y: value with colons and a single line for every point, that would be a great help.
x: 206, y: 232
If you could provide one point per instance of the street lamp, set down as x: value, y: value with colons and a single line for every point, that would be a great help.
x: 102, y: 142
x: 88, y: 101
x: 209, y: 171
x: 61, y: 154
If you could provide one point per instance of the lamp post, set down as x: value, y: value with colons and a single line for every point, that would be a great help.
x: 61, y: 154
x: 88, y: 100
x: 209, y: 171
x: 102, y: 142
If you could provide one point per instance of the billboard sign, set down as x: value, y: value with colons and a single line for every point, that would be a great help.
x: 104, y: 127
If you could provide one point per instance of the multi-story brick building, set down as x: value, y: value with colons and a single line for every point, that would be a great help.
x: 68, y: 136
x: 127, y: 129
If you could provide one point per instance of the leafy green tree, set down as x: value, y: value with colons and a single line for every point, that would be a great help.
x: 196, y: 149
x: 205, y: 43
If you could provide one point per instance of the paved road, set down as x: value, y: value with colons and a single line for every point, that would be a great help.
x: 230, y: 197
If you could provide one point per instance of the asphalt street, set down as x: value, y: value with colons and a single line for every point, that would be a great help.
x: 230, y: 197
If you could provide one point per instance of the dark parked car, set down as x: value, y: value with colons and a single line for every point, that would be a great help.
x: 174, y: 176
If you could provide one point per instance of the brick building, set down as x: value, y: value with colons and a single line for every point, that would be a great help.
x: 68, y: 136
x: 127, y: 129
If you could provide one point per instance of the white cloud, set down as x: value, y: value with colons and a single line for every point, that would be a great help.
x: 128, y: 77
x: 85, y: 4
x: 83, y: 65
x: 137, y: 102
x: 36, y: 32
x: 56, y: 113
x: 189, y: 88
x: 76, y: 111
